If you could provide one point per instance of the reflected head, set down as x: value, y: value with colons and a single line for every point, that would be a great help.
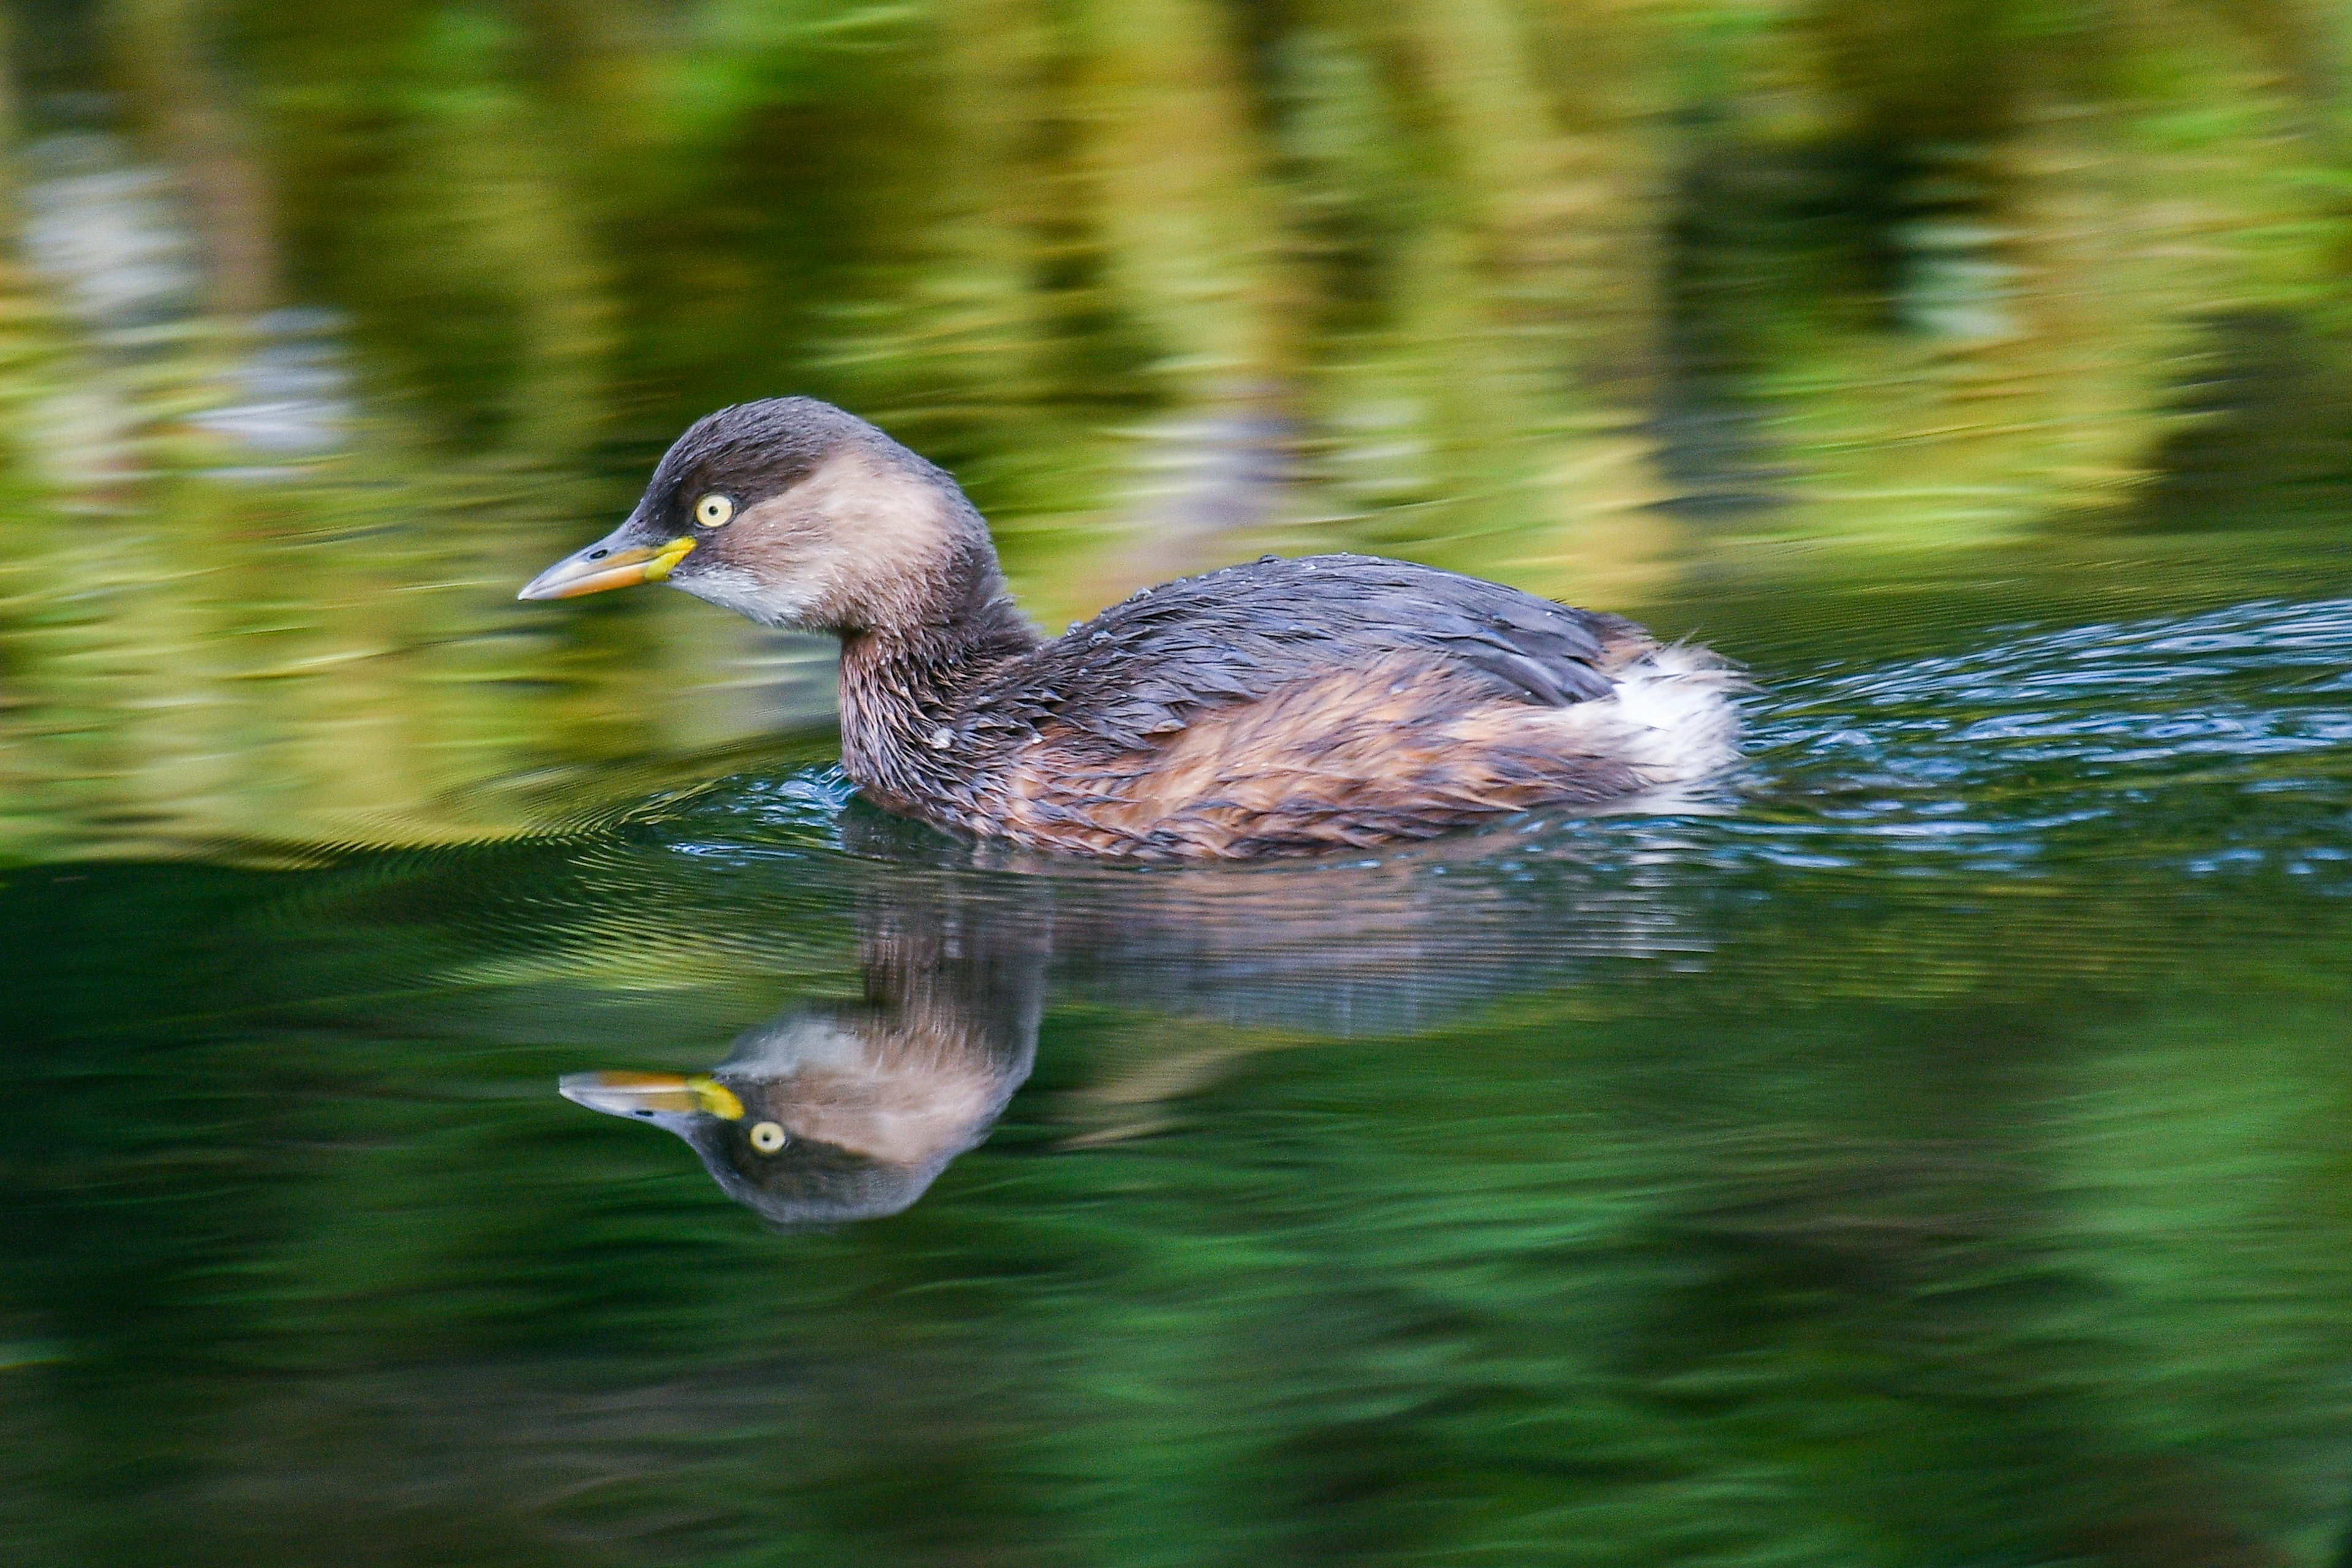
x: 752, y: 1137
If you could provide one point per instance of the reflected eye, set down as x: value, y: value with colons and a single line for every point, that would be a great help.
x: 713, y: 510
x: 767, y: 1137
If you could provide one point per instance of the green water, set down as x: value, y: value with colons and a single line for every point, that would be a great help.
x: 1933, y: 1148
x: 1939, y: 1156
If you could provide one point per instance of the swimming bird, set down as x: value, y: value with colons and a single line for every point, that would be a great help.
x: 1278, y: 707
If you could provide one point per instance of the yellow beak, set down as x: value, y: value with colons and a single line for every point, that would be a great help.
x: 647, y: 1093
x: 606, y: 565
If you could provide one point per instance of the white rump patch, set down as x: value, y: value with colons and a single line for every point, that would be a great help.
x: 1671, y: 718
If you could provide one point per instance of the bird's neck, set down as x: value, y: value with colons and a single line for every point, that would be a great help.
x: 904, y: 685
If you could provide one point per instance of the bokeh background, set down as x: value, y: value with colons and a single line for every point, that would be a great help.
x: 1938, y: 1156
x: 325, y: 324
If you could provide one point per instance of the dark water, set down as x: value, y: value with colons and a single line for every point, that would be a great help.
x: 1935, y: 1152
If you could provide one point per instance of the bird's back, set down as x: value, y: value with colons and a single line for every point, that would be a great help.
x: 1288, y: 705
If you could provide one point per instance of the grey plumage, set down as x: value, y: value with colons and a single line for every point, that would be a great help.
x: 1150, y: 665
x: 1272, y: 708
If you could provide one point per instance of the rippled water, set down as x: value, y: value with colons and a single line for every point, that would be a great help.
x: 1929, y: 1149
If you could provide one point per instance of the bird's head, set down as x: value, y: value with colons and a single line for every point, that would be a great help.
x: 793, y: 512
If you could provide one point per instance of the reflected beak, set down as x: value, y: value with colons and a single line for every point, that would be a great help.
x: 649, y: 1095
x: 608, y: 564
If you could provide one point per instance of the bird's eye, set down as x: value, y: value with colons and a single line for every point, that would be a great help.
x: 713, y: 510
x: 767, y: 1137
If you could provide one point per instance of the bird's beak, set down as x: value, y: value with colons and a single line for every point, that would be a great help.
x: 608, y: 564
x: 651, y: 1094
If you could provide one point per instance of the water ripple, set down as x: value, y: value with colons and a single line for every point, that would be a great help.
x: 2199, y: 743
x: 2041, y: 804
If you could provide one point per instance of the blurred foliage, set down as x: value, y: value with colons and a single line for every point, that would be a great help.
x: 1607, y: 300
x: 1761, y: 1191
x: 1795, y: 1187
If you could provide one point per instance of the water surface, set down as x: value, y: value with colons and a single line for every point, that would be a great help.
x: 1929, y: 1149
x: 1937, y: 1153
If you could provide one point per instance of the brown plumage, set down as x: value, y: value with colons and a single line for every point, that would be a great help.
x: 1275, y: 708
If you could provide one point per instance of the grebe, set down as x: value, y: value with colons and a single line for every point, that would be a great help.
x: 1276, y: 707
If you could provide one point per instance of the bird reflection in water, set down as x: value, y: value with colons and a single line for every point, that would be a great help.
x: 842, y: 1111
x: 849, y: 1110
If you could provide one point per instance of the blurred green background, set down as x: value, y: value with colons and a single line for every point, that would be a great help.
x: 327, y: 325
x: 1938, y: 1157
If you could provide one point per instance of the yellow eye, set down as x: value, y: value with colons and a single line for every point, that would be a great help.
x: 713, y: 510
x: 767, y: 1137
